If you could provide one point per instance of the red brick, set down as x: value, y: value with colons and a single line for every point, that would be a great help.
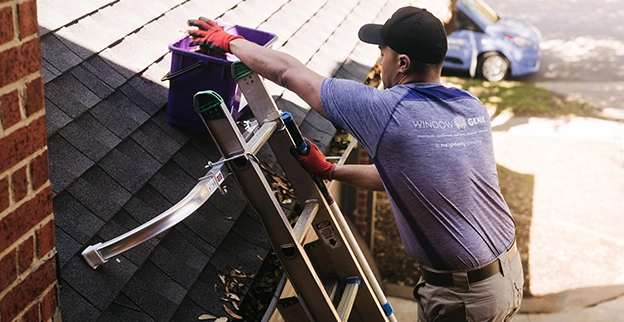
x: 22, y: 143
x: 17, y: 223
x: 10, y: 109
x: 7, y: 32
x: 8, y: 267
x: 40, y: 170
x: 25, y: 255
x: 49, y: 305
x: 34, y: 96
x: 5, y: 202
x: 27, y: 13
x: 18, y: 62
x: 32, y: 314
x: 45, y: 239
x: 27, y: 291
x: 19, y: 184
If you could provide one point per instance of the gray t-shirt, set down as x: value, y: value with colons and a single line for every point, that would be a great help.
x: 432, y: 146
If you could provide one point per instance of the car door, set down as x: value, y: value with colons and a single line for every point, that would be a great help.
x: 462, y: 45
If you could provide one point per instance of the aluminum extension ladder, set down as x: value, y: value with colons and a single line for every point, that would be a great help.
x: 331, y: 277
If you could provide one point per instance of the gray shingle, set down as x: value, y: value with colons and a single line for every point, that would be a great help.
x: 206, y: 145
x: 76, y: 220
x: 54, y: 14
x: 178, y: 133
x: 233, y: 202
x: 155, y: 141
x: 74, y: 307
x: 188, y: 311
x: 129, y: 165
x: 206, y: 296
x: 48, y: 71
x: 65, y: 245
x: 71, y: 96
x: 97, y: 191
x: 119, y: 114
x: 139, y: 99
x: 93, y: 83
x: 154, y: 292
x: 55, y: 118
x: 172, y: 182
x: 66, y: 163
x: 157, y: 93
x: 209, y: 224
x: 179, y: 259
x: 98, y: 286
x: 104, y: 71
x: 57, y: 54
x: 118, y: 312
x: 146, y: 204
x: 250, y: 228
x: 236, y: 252
x: 192, y: 161
x: 194, y: 239
x: 120, y: 224
x: 89, y: 136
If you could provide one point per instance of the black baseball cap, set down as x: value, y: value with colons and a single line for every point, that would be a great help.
x: 412, y: 31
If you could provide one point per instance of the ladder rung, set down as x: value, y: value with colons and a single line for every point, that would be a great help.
x: 305, y: 219
x: 348, y: 298
x: 331, y: 287
x: 261, y: 136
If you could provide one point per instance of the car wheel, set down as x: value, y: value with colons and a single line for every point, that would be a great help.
x: 493, y: 67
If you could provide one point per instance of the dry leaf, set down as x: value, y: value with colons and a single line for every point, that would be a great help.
x: 233, y: 296
x: 230, y: 312
x: 221, y: 319
x: 260, y: 258
x: 205, y: 317
x: 222, y: 278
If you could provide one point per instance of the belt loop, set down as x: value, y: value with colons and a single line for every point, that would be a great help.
x: 460, y: 280
x: 504, y: 263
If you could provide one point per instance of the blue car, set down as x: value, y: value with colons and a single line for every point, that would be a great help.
x: 490, y: 46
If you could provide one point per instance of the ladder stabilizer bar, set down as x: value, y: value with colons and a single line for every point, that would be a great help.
x: 100, y: 253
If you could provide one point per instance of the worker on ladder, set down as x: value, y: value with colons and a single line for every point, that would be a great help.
x: 433, y: 155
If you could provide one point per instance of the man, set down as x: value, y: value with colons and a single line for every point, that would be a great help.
x: 433, y: 155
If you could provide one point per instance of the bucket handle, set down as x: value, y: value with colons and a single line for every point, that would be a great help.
x: 182, y: 71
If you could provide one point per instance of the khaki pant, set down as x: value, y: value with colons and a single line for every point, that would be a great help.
x: 496, y: 298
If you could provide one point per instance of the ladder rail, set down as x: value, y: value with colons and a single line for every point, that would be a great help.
x: 337, y: 214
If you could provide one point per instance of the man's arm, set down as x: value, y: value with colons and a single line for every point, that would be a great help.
x: 290, y: 73
x: 282, y: 69
x: 364, y: 176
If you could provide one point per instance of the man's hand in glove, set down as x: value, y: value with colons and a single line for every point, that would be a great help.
x: 314, y: 162
x: 209, y: 34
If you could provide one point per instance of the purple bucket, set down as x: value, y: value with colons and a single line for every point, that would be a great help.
x: 192, y: 72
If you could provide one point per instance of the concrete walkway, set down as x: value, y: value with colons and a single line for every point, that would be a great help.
x: 575, y: 257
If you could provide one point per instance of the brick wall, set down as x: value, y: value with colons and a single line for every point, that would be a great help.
x: 28, y: 284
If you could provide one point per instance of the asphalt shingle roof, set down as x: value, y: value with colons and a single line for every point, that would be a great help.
x: 117, y: 163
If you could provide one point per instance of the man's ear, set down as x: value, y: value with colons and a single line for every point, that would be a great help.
x: 404, y: 63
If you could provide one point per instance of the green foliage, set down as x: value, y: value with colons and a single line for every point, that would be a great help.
x: 523, y: 99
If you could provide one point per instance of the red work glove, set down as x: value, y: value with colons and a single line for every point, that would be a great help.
x: 209, y: 34
x: 314, y: 162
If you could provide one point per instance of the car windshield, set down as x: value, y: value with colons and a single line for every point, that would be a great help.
x: 481, y: 11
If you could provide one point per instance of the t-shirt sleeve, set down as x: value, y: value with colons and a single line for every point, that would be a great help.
x: 356, y: 108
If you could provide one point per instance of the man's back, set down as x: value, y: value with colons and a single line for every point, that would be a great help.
x: 432, y: 146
